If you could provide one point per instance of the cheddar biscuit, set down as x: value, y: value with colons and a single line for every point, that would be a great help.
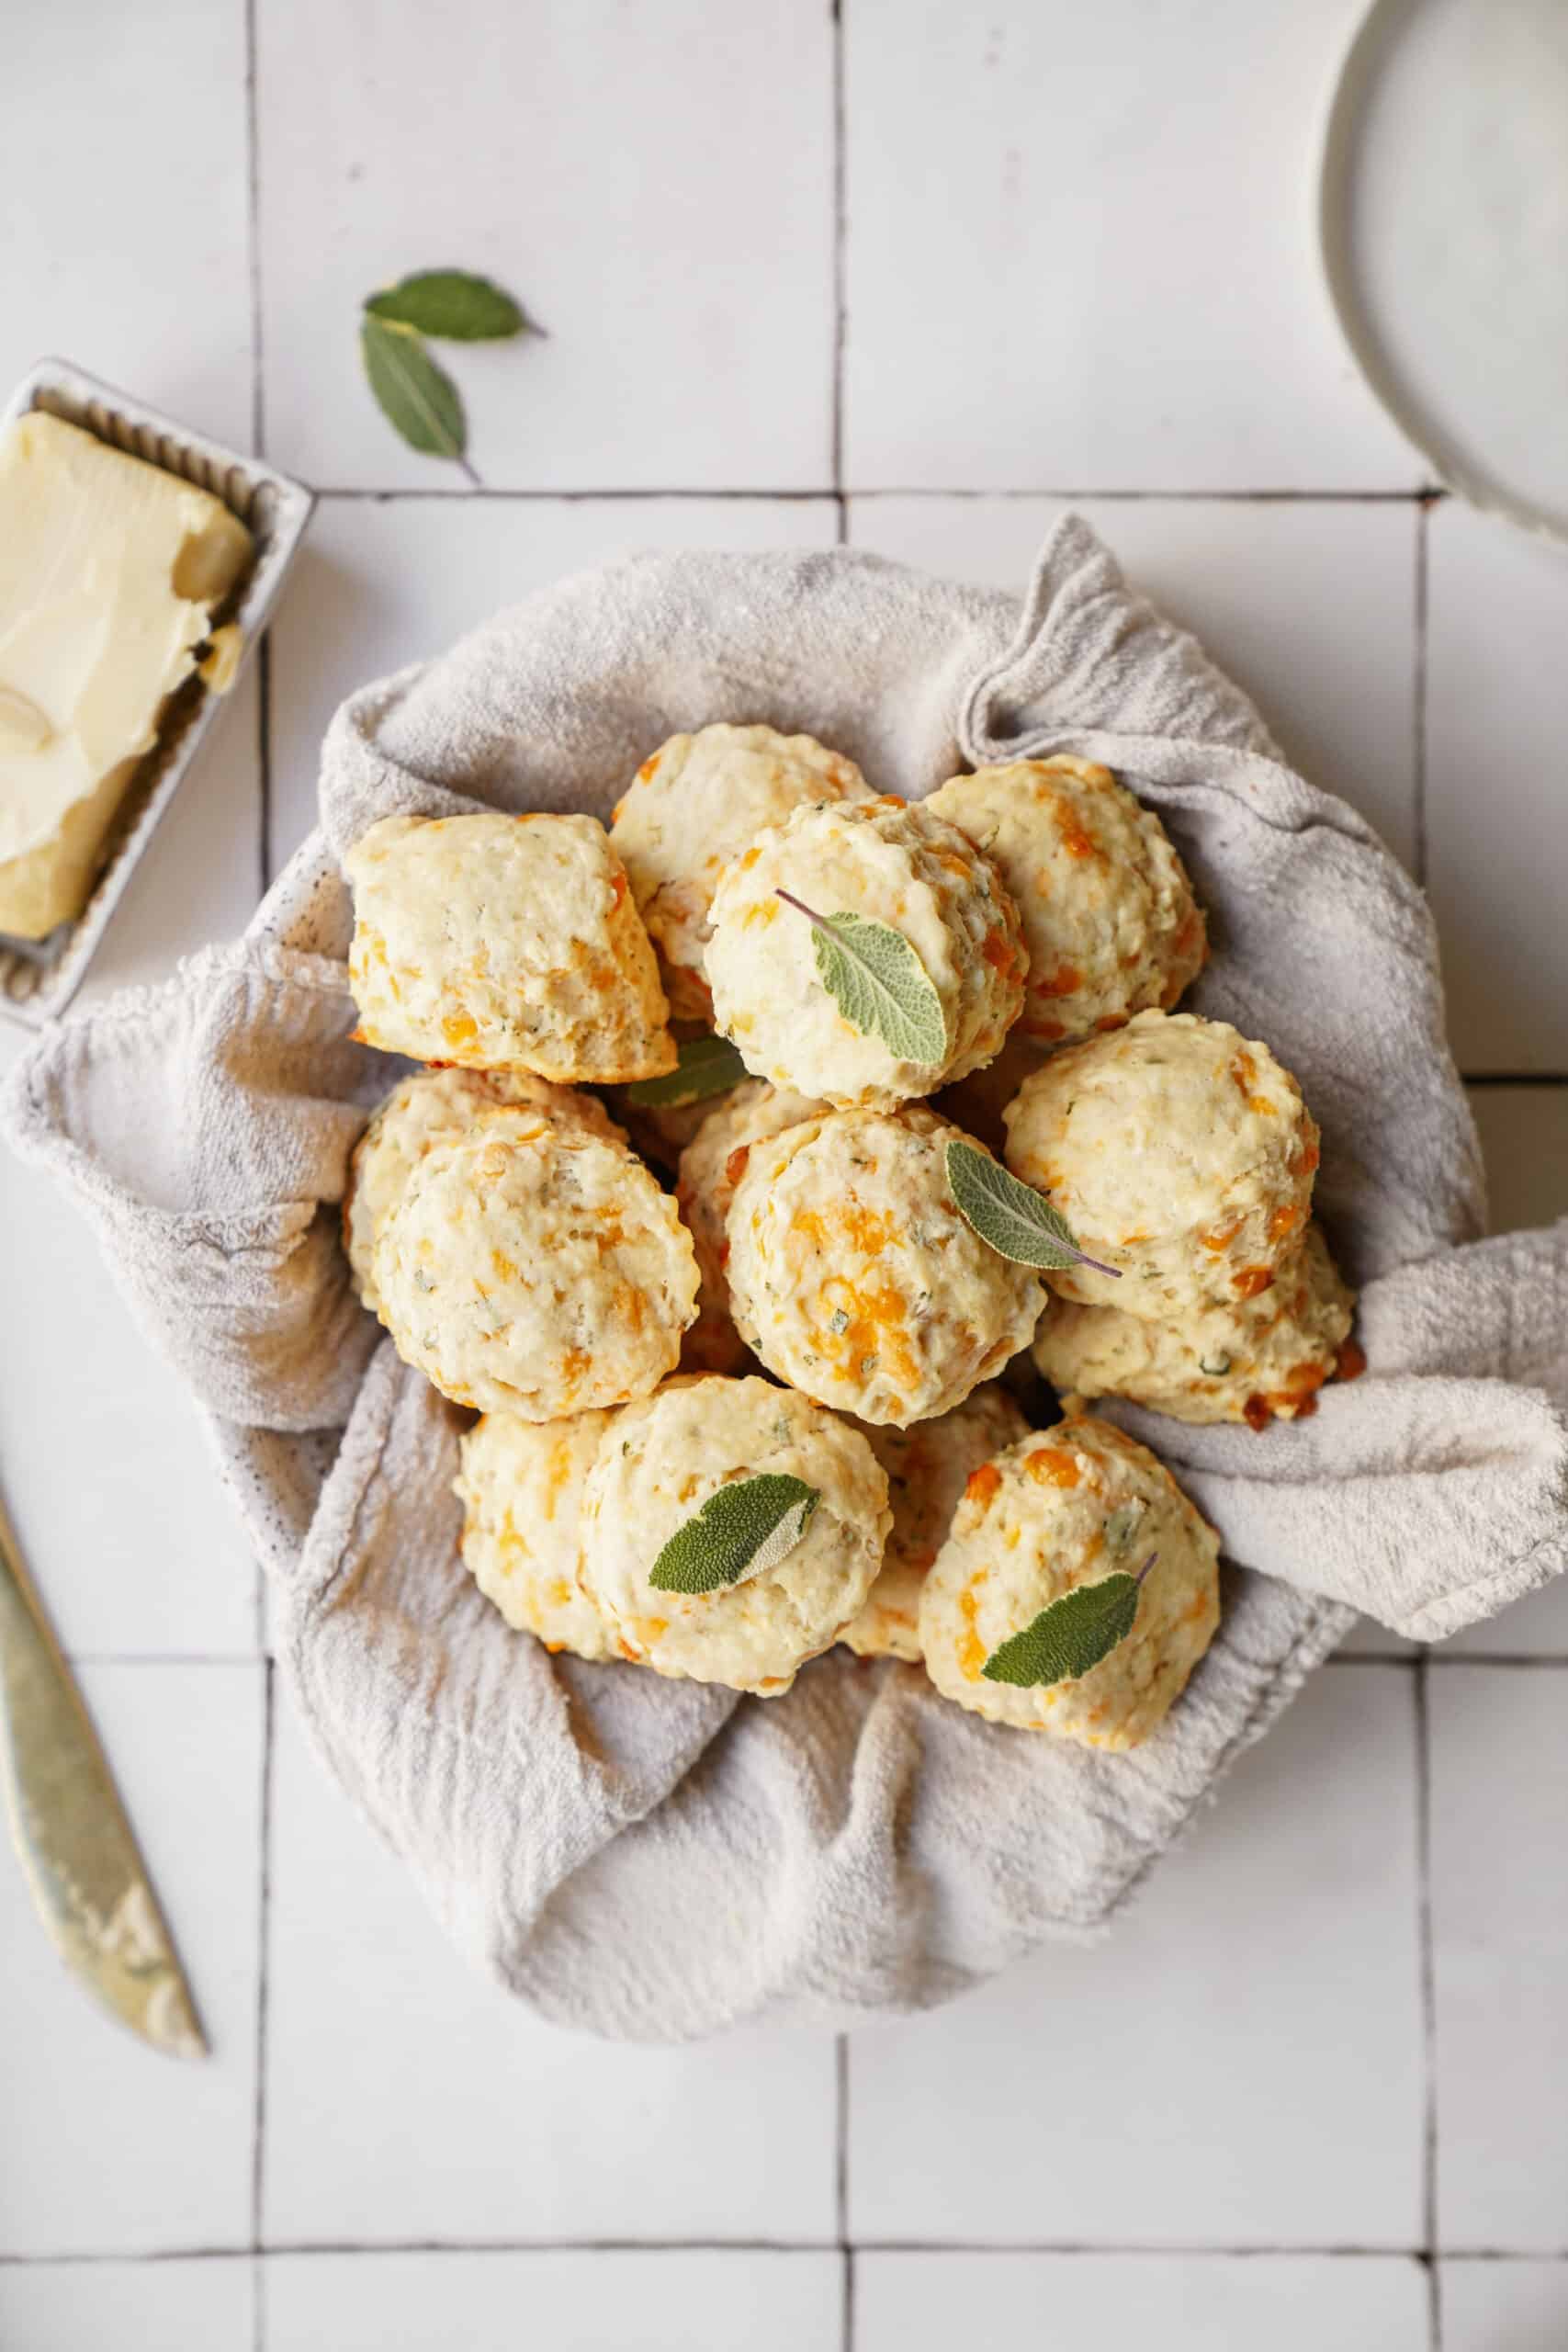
x: 656, y: 1469
x: 1179, y: 1152
x: 521, y: 1488
x: 927, y: 1468
x: 532, y: 1270
x: 1110, y: 921
x: 693, y: 807
x: 504, y: 942
x: 853, y: 1275
x: 889, y: 861
x: 433, y: 1106
x: 1066, y: 1508
x: 711, y: 1166
x: 1251, y: 1360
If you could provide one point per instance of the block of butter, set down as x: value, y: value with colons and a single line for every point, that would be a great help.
x: 111, y: 570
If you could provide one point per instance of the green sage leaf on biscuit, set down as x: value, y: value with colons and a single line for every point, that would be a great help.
x: 1070, y: 1635
x: 416, y: 396
x: 708, y: 1065
x: 749, y: 1526
x: 878, y: 983
x: 452, y: 304
x: 1011, y: 1217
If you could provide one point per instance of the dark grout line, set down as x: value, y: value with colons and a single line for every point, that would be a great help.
x: 555, y: 2245
x: 842, y: 2138
x: 264, y: 762
x: 120, y: 2254
x: 842, y: 2185
x: 1529, y: 1658
x: 1449, y: 1658
x: 1418, y: 714
x: 1427, y: 1994
x: 1515, y: 1078
x: 761, y: 493
x: 264, y: 1938
x: 840, y: 310
x: 259, y: 1612
x: 1154, y: 2251
x: 1162, y: 2251
x: 258, y: 443
x: 1421, y: 497
x: 253, y: 204
x: 1159, y: 2250
x: 1505, y: 2253
x: 822, y: 494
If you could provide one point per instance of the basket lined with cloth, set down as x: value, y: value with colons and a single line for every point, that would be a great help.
x: 656, y: 1860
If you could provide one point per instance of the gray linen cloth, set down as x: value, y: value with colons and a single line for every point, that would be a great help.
x: 656, y: 1860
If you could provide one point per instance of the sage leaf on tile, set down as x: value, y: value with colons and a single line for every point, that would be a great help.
x: 878, y: 983
x: 418, y: 398
x: 743, y: 1529
x: 1012, y: 1218
x: 454, y: 305
x: 706, y: 1066
x: 1071, y: 1634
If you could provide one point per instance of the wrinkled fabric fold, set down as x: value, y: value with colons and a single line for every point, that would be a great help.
x: 654, y: 1859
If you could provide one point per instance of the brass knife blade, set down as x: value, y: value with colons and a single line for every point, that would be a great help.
x: 78, y: 1850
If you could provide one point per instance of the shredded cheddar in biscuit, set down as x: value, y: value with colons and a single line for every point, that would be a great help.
x: 1052, y: 1467
x: 983, y: 1484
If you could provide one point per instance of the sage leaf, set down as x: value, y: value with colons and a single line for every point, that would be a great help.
x: 1012, y: 1218
x: 452, y: 304
x: 416, y: 396
x: 878, y: 983
x: 706, y: 1066
x: 743, y: 1529
x: 1069, y: 1636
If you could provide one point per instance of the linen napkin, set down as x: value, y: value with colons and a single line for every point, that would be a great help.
x: 656, y: 1860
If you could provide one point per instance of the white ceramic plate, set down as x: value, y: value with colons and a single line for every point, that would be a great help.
x: 1443, y: 216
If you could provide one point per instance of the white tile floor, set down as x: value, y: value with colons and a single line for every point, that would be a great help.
x: 1264, y: 1979
x: 1311, y: 2093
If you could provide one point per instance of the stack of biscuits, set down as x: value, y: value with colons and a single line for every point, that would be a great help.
x: 774, y: 1288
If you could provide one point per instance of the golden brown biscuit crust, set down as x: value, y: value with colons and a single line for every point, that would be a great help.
x: 504, y: 942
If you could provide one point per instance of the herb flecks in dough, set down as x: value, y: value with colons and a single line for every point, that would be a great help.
x: 1012, y: 1218
x: 1071, y: 1634
x: 878, y: 982
x: 743, y: 1529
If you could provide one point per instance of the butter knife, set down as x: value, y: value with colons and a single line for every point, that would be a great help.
x: 78, y: 1850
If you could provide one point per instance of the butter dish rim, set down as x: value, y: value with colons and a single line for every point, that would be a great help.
x: 39, y: 978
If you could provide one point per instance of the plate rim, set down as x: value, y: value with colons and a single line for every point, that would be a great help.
x: 1375, y: 29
